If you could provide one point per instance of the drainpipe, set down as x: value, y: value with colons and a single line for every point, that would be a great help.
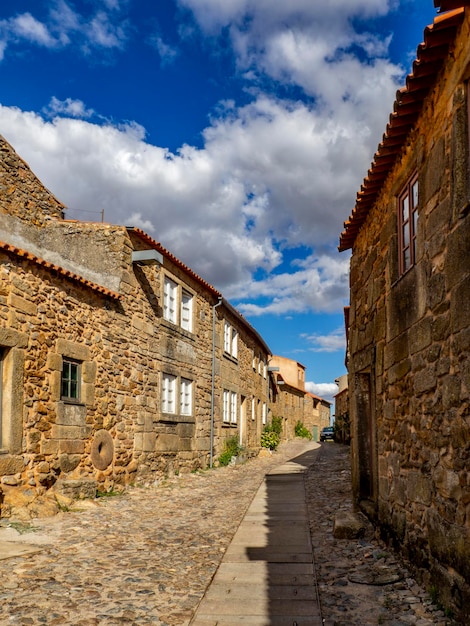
x: 211, y: 461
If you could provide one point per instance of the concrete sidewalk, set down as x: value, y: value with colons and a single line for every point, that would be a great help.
x: 267, y: 575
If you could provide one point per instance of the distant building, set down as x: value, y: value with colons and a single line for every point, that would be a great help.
x: 293, y: 403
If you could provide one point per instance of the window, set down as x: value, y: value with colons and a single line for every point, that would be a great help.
x: 407, y: 225
x: 177, y: 305
x: 230, y: 407
x: 186, y: 397
x: 230, y: 340
x: 169, y: 300
x: 233, y: 408
x: 70, y: 380
x: 253, y: 409
x: 177, y: 395
x: 226, y: 407
x: 168, y: 393
x: 186, y: 310
x: 264, y: 413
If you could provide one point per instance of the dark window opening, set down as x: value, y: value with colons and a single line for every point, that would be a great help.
x: 70, y: 383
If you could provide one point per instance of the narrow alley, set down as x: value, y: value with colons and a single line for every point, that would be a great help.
x: 149, y: 556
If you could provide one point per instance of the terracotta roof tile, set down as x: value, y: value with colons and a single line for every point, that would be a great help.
x: 407, y: 107
x: 19, y: 252
x: 158, y: 246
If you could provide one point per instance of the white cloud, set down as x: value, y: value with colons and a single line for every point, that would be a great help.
x: 25, y: 26
x: 324, y: 390
x: 272, y: 175
x: 334, y: 342
x: 166, y: 52
x: 65, y: 26
x: 73, y: 108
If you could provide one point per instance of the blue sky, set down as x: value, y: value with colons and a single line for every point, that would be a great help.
x: 235, y: 132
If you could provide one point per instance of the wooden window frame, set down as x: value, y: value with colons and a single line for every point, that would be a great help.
x: 408, y: 203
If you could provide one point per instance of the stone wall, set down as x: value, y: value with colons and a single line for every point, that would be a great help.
x: 22, y: 194
x: 117, y: 432
x: 409, y: 339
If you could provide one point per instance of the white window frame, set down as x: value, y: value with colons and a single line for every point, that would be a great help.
x: 234, y: 343
x: 264, y: 413
x: 253, y: 409
x: 186, y: 396
x: 233, y: 408
x: 226, y: 407
x: 170, y: 295
x: 230, y: 340
x: 177, y: 304
x: 227, y: 335
x: 186, y: 310
x: 169, y: 393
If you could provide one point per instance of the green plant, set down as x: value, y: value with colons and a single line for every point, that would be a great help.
x: 22, y: 527
x: 271, y: 435
x: 231, y: 448
x: 301, y: 431
x: 269, y: 439
x: 108, y: 494
x: 276, y: 425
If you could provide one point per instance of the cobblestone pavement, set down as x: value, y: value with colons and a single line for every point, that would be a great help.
x: 147, y: 557
x: 352, y: 573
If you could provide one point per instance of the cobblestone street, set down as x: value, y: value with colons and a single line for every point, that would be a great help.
x: 148, y: 556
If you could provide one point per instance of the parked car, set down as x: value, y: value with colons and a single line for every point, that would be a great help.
x: 327, y: 433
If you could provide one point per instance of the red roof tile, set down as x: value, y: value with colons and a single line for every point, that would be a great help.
x: 158, y: 246
x: 19, y: 252
x: 407, y: 107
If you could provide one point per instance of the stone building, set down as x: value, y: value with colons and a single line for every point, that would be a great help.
x: 293, y: 403
x: 342, y: 425
x: 409, y: 321
x: 117, y: 362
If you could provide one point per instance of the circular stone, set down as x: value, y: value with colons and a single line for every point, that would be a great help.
x: 102, y: 449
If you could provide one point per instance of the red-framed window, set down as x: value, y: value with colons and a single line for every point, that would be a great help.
x: 407, y: 225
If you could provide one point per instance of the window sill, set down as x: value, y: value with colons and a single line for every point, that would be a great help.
x: 227, y: 425
x: 176, y: 328
x: 169, y: 418
x: 403, y: 276
x: 71, y: 401
x: 231, y: 358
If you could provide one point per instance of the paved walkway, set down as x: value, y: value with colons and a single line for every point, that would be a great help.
x: 267, y: 575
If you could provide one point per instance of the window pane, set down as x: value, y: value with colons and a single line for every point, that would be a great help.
x: 70, y: 382
x: 405, y: 209
x: 168, y: 393
x: 406, y: 258
x: 233, y: 408
x: 186, y: 311
x: 234, y: 343
x: 186, y: 397
x: 406, y: 235
x: 227, y: 337
x: 169, y: 300
x: 414, y: 194
x: 226, y: 410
